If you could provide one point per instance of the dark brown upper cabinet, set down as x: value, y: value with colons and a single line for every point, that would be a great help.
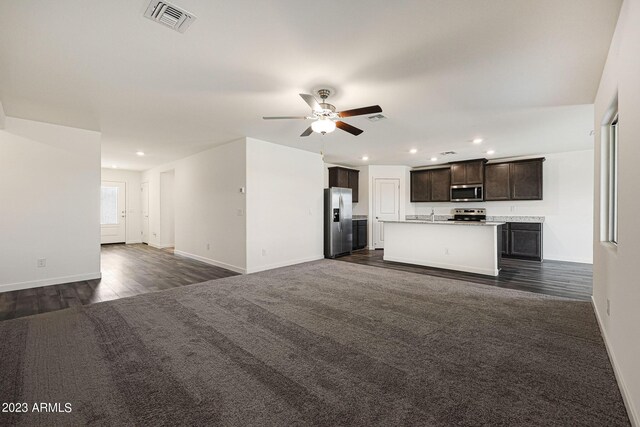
x: 469, y: 172
x: 345, y: 178
x: 431, y: 185
x: 440, y: 185
x: 420, y: 186
x: 497, y: 185
x: 526, y: 180
x: 517, y: 180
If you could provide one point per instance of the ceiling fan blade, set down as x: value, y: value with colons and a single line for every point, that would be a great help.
x: 361, y: 111
x: 348, y: 128
x: 307, y: 132
x: 313, y: 103
x: 286, y: 117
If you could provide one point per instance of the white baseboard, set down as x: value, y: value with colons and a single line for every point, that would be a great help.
x: 48, y: 282
x: 133, y: 242
x: 458, y: 267
x: 569, y: 259
x: 284, y: 263
x: 626, y: 397
x: 210, y: 261
x: 157, y: 246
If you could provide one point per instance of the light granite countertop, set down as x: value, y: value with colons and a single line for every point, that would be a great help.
x: 490, y: 218
x: 437, y: 222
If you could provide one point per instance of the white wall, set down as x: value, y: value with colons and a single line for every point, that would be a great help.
x: 284, y: 205
x: 615, y: 270
x: 132, y: 180
x: 567, y: 206
x: 277, y: 222
x: 50, y: 189
x: 167, y: 209
x: 209, y: 208
x: 362, y: 207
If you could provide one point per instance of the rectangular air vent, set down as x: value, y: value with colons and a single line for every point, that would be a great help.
x: 448, y: 153
x: 376, y: 118
x: 169, y: 15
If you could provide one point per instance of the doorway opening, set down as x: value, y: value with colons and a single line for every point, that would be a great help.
x: 144, y: 202
x: 167, y: 209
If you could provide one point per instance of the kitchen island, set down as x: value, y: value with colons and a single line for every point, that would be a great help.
x: 474, y: 247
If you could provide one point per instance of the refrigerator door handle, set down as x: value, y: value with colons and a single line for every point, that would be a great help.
x: 340, y: 214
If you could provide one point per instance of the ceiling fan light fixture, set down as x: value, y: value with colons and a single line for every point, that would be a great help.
x: 323, y: 126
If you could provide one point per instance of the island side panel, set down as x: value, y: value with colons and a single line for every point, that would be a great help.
x: 470, y: 248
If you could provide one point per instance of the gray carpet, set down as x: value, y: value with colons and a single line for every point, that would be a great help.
x: 322, y: 343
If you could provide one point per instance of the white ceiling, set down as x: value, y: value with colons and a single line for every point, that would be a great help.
x: 520, y: 73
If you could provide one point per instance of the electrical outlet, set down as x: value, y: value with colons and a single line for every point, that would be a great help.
x: 42, y: 262
x: 608, y: 307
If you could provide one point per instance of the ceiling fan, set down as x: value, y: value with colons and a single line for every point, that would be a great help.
x: 326, y: 117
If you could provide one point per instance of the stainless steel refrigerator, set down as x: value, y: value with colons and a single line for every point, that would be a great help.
x: 338, y: 233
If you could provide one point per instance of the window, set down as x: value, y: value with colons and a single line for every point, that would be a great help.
x: 108, y: 205
x: 612, y: 179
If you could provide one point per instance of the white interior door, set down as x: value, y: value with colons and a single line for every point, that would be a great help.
x: 113, y: 212
x: 386, y: 206
x: 145, y: 212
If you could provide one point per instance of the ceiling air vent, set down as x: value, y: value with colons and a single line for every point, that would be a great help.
x: 376, y: 118
x: 169, y: 15
x: 448, y: 153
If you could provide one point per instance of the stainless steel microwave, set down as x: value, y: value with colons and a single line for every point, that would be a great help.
x: 467, y: 193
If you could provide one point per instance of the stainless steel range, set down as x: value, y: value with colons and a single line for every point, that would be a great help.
x: 469, y: 214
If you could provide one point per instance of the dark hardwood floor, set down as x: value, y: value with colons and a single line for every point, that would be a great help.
x: 137, y: 269
x: 558, y: 278
x: 126, y: 270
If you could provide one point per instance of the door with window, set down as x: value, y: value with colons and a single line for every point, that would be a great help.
x: 386, y: 206
x: 113, y: 212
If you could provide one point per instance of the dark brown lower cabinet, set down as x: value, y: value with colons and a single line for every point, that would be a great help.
x: 505, y: 239
x: 359, y: 234
x: 522, y: 240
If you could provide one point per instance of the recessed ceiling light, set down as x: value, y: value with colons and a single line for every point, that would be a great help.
x: 477, y: 140
x: 114, y: 166
x: 490, y: 152
x: 413, y: 151
x: 434, y: 159
x: 140, y: 153
x: 365, y: 157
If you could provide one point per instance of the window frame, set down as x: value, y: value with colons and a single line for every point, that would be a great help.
x: 612, y: 180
